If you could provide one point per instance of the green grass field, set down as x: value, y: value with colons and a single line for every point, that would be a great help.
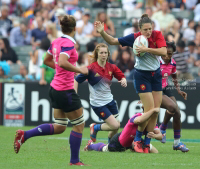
x: 53, y: 152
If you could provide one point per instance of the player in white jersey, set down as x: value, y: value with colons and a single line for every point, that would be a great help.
x: 99, y: 79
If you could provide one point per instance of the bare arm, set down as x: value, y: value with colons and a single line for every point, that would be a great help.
x: 48, y: 60
x: 158, y: 51
x: 144, y: 117
x: 111, y: 31
x: 109, y: 39
x: 156, y: 134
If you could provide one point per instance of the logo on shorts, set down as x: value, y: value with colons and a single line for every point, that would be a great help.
x: 97, y: 75
x: 102, y: 114
x: 143, y: 87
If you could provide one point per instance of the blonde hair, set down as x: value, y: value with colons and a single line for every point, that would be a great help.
x: 94, y: 56
x: 52, y: 27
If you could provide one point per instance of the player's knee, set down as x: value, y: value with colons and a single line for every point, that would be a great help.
x: 116, y: 126
x: 78, y: 124
x: 60, y: 124
x: 172, y: 108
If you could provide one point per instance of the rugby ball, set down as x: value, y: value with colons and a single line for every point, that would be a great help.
x: 140, y: 39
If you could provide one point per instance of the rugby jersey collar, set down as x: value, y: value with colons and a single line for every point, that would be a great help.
x: 70, y: 38
x: 163, y: 62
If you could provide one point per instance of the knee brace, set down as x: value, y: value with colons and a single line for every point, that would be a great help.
x: 61, y: 121
x: 78, y: 121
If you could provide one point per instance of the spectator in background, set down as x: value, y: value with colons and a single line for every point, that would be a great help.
x: 197, y: 39
x: 193, y: 54
x: 129, y: 5
x: 153, y: 4
x: 82, y: 59
x: 197, y: 12
x: 20, y: 36
x: 190, y: 4
x: 133, y: 29
x: 173, y: 32
x: 197, y: 62
x: 70, y: 6
x: 84, y: 29
x: 26, y: 3
x: 5, y: 23
x: 100, y: 4
x: 7, y: 53
x: 149, y: 11
x: 23, y: 75
x: 108, y: 24
x: 163, y: 17
x: 181, y: 57
x: 15, y: 8
x: 189, y: 33
x: 4, y: 69
x: 39, y: 33
x: 117, y: 53
x: 36, y: 58
x: 125, y: 63
x: 176, y: 4
x: 33, y: 22
x: 59, y: 14
x: 51, y: 31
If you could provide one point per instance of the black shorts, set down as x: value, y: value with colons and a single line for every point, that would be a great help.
x: 167, y: 91
x: 66, y: 100
x: 115, y: 145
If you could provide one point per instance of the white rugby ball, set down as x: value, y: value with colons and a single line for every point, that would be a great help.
x: 140, y: 39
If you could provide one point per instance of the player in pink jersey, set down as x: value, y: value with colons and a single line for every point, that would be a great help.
x: 168, y: 68
x: 124, y: 140
x: 100, y: 75
x: 62, y: 56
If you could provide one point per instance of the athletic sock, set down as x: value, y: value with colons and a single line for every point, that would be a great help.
x: 177, y: 135
x: 97, y: 127
x: 96, y: 147
x: 138, y: 136
x: 41, y: 130
x: 163, y: 127
x: 147, y: 140
x: 75, y: 143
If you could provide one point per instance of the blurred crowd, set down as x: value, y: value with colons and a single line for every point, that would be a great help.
x: 35, y: 23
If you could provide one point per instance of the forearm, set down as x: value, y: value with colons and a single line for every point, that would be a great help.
x: 43, y: 74
x: 157, y: 51
x: 158, y: 136
x: 144, y: 117
x: 50, y: 64
x: 109, y: 39
x: 68, y: 66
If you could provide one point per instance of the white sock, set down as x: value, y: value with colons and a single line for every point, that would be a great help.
x: 176, y: 141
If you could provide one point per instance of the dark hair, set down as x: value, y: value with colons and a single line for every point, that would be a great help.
x: 6, y: 43
x: 171, y: 45
x: 68, y: 23
x: 91, y: 46
x: 181, y: 44
x: 45, y: 43
x: 144, y: 19
x: 80, y: 58
x: 191, y: 20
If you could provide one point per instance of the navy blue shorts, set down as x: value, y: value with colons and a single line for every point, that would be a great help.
x: 147, y: 81
x: 104, y: 112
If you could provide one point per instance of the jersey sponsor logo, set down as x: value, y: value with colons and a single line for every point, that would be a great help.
x: 97, y: 75
x: 102, y: 114
x: 110, y: 73
x: 143, y: 87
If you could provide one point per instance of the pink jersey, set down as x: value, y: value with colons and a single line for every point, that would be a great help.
x: 128, y: 134
x: 63, y: 79
x: 167, y: 70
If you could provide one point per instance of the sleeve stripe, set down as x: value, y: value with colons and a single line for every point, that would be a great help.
x: 64, y: 49
x: 50, y: 48
x: 49, y: 52
x: 65, y: 54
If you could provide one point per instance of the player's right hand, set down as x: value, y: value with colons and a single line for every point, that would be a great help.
x: 84, y: 70
x: 99, y: 26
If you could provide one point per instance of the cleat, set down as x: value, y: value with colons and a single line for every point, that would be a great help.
x: 19, y: 140
x: 182, y: 147
x: 93, y: 133
x: 163, y: 136
x: 146, y: 149
x: 87, y: 145
x: 79, y: 163
x: 138, y: 147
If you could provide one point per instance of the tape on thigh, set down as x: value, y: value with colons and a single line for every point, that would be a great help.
x: 77, y: 121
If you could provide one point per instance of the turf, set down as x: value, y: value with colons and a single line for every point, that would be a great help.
x: 53, y: 152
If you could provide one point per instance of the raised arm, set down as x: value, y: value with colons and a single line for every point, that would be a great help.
x: 109, y: 39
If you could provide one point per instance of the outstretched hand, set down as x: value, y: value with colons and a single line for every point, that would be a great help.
x: 183, y: 94
x: 123, y: 82
x: 99, y: 26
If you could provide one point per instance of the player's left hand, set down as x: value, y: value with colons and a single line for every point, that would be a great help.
x: 151, y: 135
x: 183, y: 94
x: 141, y: 49
x: 123, y: 82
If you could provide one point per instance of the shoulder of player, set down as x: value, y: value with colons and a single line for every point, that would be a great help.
x: 156, y: 33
